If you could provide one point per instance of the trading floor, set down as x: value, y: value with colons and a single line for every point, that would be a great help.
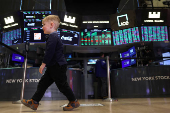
x: 123, y: 105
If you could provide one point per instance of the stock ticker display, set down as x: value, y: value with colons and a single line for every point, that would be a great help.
x: 126, y: 36
x: 12, y: 37
x: 96, y: 37
x: 33, y: 25
x: 154, y: 33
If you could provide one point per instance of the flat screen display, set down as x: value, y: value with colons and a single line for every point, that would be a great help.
x: 154, y: 33
x: 69, y: 37
x: 95, y: 37
x: 92, y: 61
x: 126, y: 36
x: 35, y: 35
x: 125, y: 54
x: 132, y: 51
x: 17, y: 58
x: 133, y: 61
x: 33, y: 26
x: 34, y: 18
x: 167, y: 54
x: 126, y: 63
x: 12, y: 37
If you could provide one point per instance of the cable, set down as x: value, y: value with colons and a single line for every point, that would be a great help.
x: 41, y: 4
x: 124, y: 6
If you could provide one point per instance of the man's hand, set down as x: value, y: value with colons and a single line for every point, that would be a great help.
x: 42, y: 67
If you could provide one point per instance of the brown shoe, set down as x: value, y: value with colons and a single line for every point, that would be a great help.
x: 30, y: 103
x: 71, y: 105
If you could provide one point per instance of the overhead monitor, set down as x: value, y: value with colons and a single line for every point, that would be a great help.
x: 33, y: 26
x: 126, y: 36
x: 91, y: 37
x: 34, y: 18
x: 12, y: 37
x: 151, y: 17
x: 69, y: 37
x: 35, y: 35
x: 154, y: 33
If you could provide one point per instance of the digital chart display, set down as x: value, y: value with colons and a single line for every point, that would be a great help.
x: 69, y: 37
x: 12, y: 37
x: 96, y: 37
x: 126, y: 36
x: 33, y: 26
x: 34, y: 18
x: 154, y: 33
x: 35, y: 35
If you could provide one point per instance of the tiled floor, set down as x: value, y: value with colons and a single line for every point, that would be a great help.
x: 129, y: 105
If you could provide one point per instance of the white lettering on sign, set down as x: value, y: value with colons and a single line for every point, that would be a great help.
x: 9, y: 20
x: 122, y: 23
x: 10, y: 81
x: 153, y: 20
x: 99, y: 22
x: 29, y: 16
x: 31, y: 24
x: 73, y: 26
x: 66, y: 38
x: 68, y: 25
x: 148, y: 20
x: 159, y: 20
x: 10, y: 25
x: 154, y: 15
x: 150, y: 78
x: 69, y: 19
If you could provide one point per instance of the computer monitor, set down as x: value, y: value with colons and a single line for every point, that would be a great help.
x: 17, y: 58
x: 125, y: 54
x: 92, y: 37
x: 69, y: 37
x: 92, y: 61
x: 125, y: 63
x: 132, y: 51
x: 133, y: 61
x: 12, y: 37
x: 33, y: 26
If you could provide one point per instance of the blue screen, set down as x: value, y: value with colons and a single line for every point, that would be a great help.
x: 126, y: 63
x: 154, y: 33
x: 12, y: 37
x: 132, y: 51
x: 17, y: 57
x: 125, y: 54
x: 92, y: 61
x: 133, y: 61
